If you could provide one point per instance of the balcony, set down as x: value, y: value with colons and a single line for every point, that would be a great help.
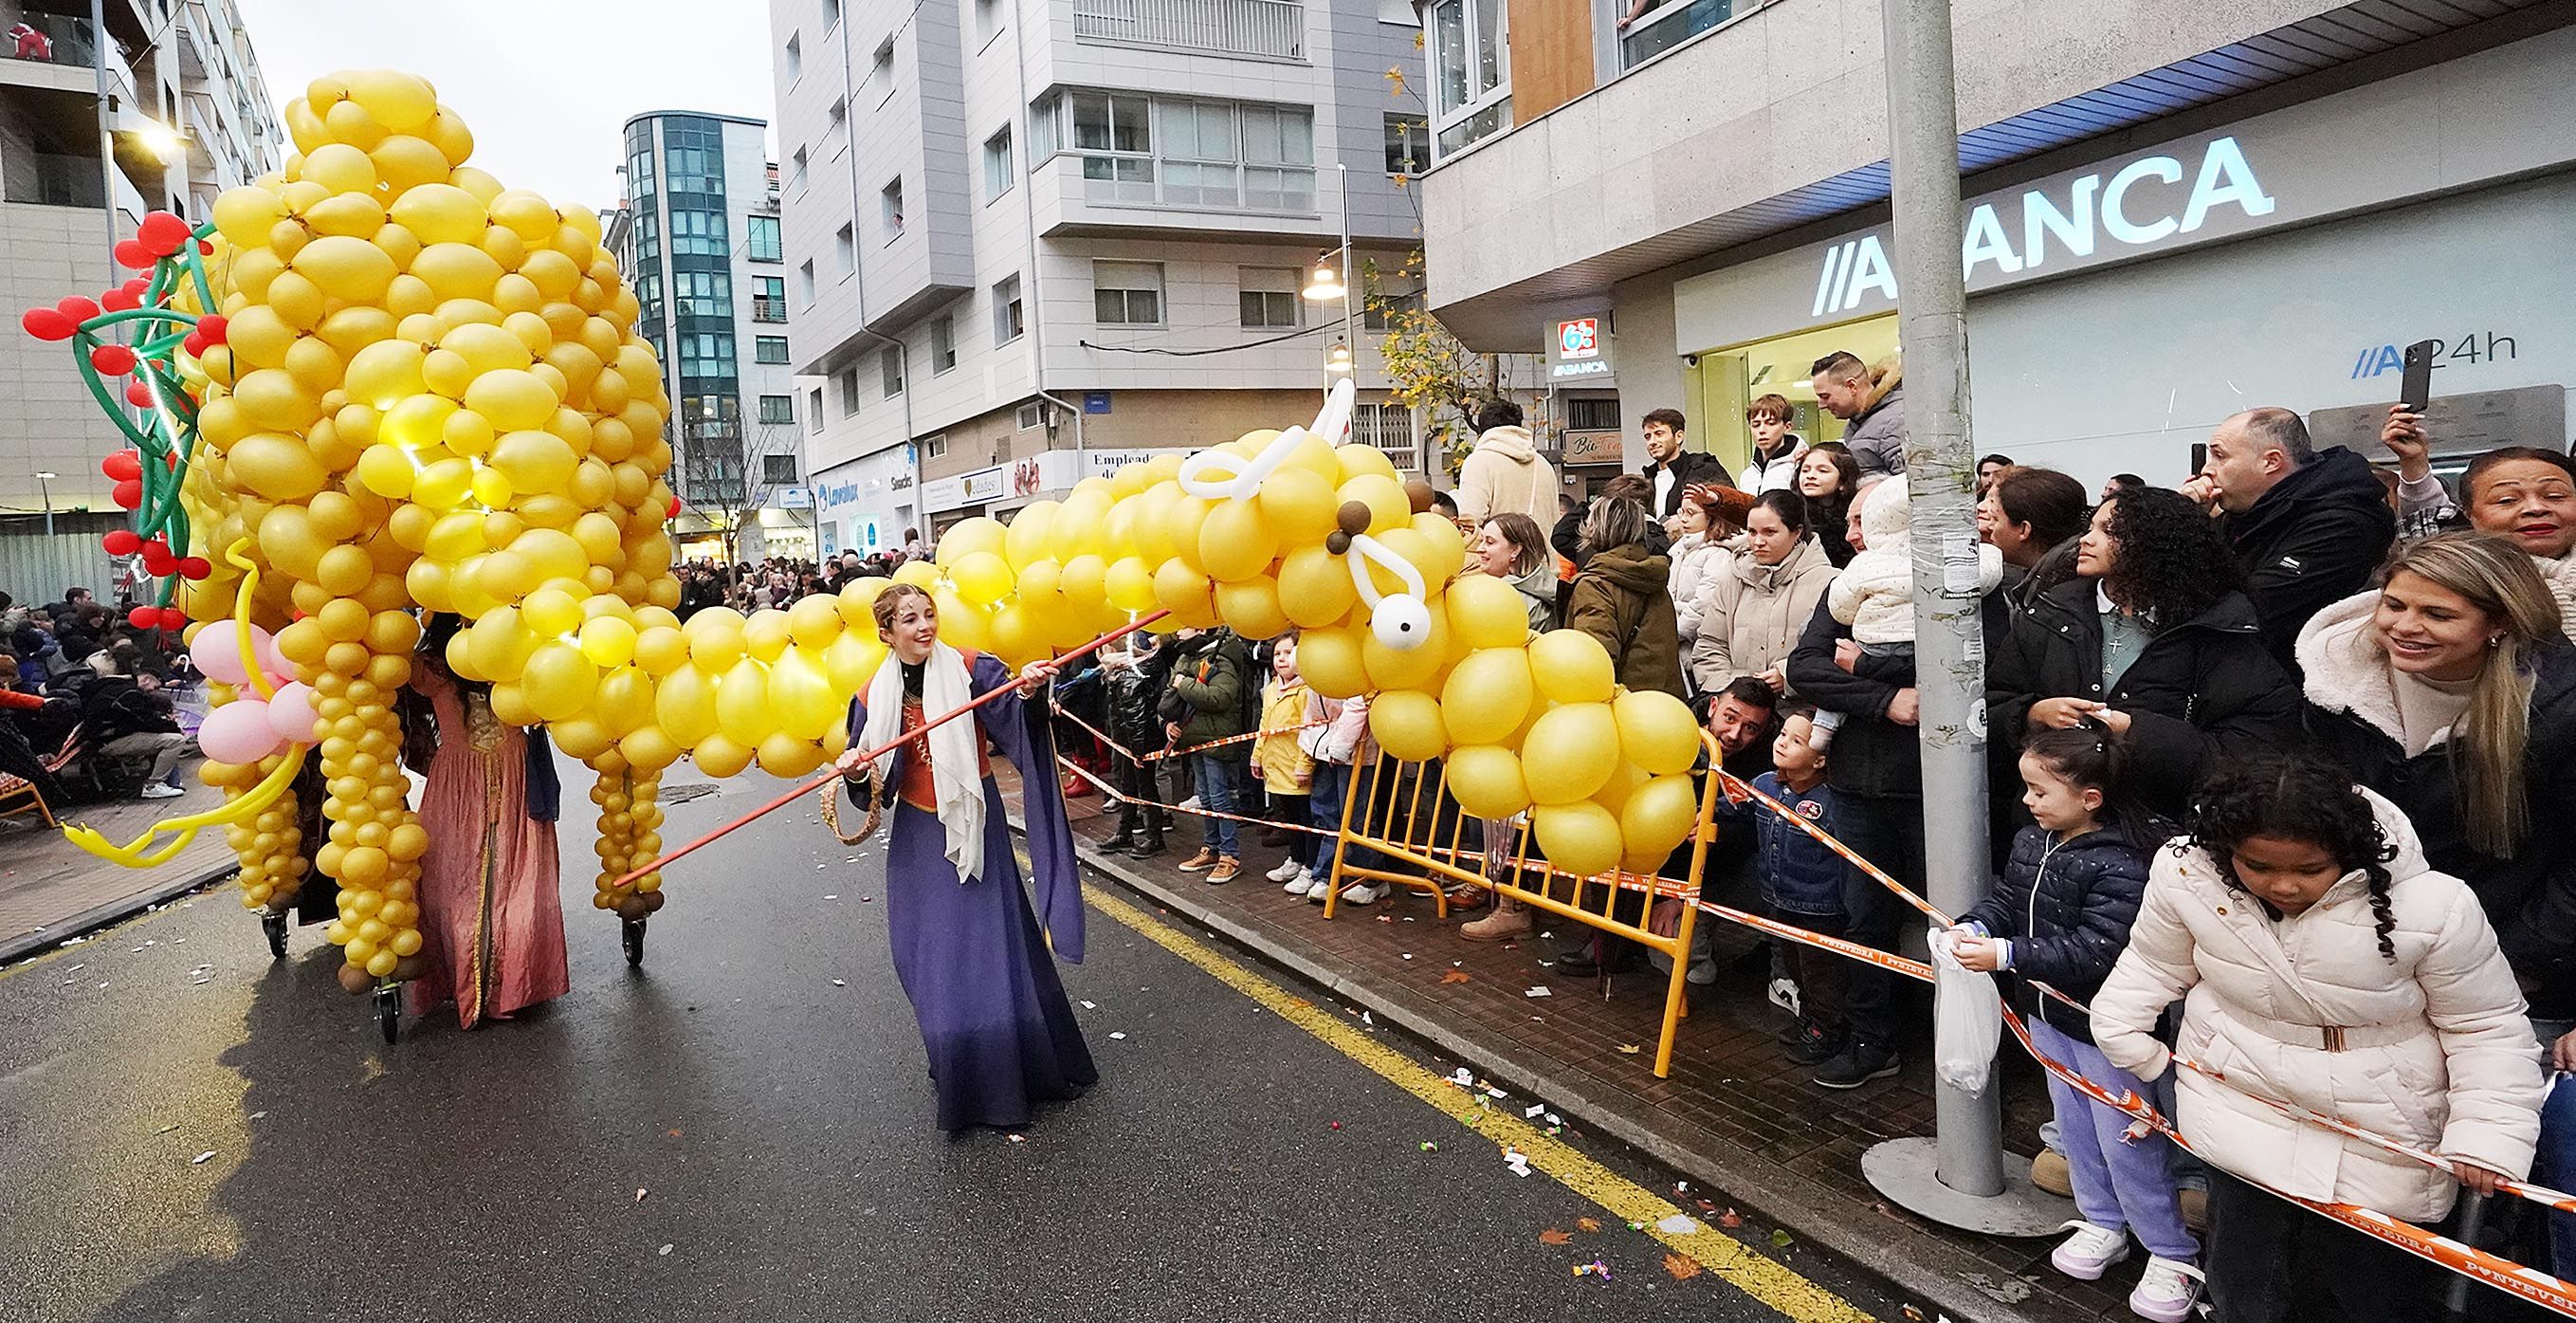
x: 1674, y: 22
x: 1246, y: 29
x: 766, y: 309
x: 27, y: 34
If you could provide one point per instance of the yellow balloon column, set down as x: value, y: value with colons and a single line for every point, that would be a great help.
x: 427, y: 390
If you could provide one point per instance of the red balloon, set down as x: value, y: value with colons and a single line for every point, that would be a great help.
x: 114, y: 360
x: 129, y: 253
x: 195, y: 345
x: 674, y: 511
x: 47, y: 324
x: 162, y: 234
x: 195, y: 567
x: 211, y: 326
x: 122, y: 465
x: 77, y: 308
x: 122, y: 542
x: 128, y: 495
x: 120, y: 299
x: 205, y: 248
x: 138, y: 393
x: 144, y: 617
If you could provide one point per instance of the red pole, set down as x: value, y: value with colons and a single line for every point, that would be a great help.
x: 835, y: 774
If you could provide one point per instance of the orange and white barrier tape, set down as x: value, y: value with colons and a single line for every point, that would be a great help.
x: 1157, y: 755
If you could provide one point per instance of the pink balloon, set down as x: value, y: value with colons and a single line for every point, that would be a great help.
x: 238, y: 732
x: 290, y: 713
x: 217, y: 651
x: 279, y: 669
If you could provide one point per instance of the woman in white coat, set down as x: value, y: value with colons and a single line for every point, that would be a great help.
x: 2322, y: 965
x: 1705, y: 545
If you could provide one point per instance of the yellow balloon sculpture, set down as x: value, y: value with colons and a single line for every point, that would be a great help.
x: 428, y: 395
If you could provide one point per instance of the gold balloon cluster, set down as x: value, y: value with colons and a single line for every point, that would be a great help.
x: 426, y: 390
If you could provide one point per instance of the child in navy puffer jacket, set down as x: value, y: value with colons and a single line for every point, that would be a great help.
x: 2061, y: 916
x: 1802, y: 885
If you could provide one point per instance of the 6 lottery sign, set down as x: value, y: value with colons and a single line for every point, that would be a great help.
x: 1578, y: 337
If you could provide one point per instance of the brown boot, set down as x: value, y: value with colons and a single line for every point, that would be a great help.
x: 1227, y: 866
x: 1508, y: 922
x: 1201, y: 862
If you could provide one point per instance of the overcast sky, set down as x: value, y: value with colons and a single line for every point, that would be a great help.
x: 544, y: 84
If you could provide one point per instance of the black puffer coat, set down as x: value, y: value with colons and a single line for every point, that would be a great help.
x: 2200, y: 690
x: 2530, y: 899
x: 1872, y: 756
x: 2314, y: 539
x: 2066, y: 909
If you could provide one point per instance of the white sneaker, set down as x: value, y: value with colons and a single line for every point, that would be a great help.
x: 161, y: 790
x: 1287, y: 869
x: 2090, y: 1251
x: 1300, y: 884
x: 1784, y: 994
x: 1189, y: 805
x: 2167, y: 1292
x: 1361, y: 893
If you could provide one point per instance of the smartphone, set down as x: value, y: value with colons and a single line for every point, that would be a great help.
x: 2418, y: 390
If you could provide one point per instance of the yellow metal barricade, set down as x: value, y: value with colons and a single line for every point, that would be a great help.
x: 1402, y: 812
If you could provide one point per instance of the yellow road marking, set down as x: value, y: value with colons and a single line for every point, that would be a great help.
x: 1765, y: 1279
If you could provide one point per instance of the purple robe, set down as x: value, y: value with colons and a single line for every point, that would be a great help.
x: 973, y: 958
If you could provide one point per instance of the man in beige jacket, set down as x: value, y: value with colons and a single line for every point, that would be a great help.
x: 1504, y: 473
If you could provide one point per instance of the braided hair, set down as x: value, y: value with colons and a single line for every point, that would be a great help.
x: 2300, y: 801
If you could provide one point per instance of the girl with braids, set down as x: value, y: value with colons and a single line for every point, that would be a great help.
x: 2060, y: 916
x: 2323, y: 965
x: 2154, y: 639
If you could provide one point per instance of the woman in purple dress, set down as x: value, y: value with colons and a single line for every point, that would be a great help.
x: 969, y: 951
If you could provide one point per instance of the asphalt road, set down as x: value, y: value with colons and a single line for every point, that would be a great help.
x: 741, y: 1130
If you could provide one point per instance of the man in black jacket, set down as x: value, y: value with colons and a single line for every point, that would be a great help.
x: 1877, y: 766
x: 2308, y: 528
x: 1674, y: 468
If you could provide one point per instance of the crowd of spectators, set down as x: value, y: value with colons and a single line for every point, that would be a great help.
x: 89, y: 701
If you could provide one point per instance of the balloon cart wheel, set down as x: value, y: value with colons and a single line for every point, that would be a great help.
x: 389, y: 1010
x: 275, y: 925
x: 631, y: 933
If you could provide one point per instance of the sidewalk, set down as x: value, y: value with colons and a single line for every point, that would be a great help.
x: 1743, y: 1123
x: 51, y: 889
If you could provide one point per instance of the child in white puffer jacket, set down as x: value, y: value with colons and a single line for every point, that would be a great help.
x: 1875, y: 593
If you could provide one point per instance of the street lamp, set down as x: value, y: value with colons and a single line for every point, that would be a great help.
x: 1327, y: 286
x: 161, y: 140
x: 46, y: 481
x: 1338, y: 363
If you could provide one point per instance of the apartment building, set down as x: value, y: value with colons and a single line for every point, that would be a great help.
x: 1033, y: 240
x: 698, y: 237
x: 2173, y: 212
x: 187, y: 116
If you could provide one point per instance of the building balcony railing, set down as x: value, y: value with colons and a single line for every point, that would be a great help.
x: 1258, y: 29
x: 768, y: 309
x: 27, y: 34
x: 1674, y: 22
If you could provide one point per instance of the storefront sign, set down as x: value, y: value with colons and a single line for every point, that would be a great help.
x: 1578, y: 351
x: 1592, y: 447
x: 2309, y: 162
x: 967, y: 489
x: 794, y: 498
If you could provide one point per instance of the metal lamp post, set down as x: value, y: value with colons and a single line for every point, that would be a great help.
x: 45, y: 481
x: 1324, y: 287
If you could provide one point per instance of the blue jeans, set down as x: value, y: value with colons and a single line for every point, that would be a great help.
x: 2118, y: 1182
x: 1218, y: 775
x: 2555, y: 1163
x: 1332, y: 785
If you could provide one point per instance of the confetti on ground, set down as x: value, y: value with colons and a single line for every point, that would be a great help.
x: 257, y: 1115
x: 834, y: 896
x: 1429, y: 1147
x: 1408, y: 955
x: 1492, y: 1092
x: 1337, y: 1125
x: 1019, y: 1139
x: 1554, y: 1120
x: 1913, y: 1314
x: 839, y: 984
x: 666, y: 1251
x: 1539, y: 991
x: 1091, y: 1006
x: 1596, y: 1268
x: 1552, y: 1236
x: 1683, y: 1269
x: 1118, y: 1035
x: 639, y: 1194
x: 820, y: 867
x: 1679, y: 1224
x: 1730, y: 1219
x: 1368, y: 1019
x: 1454, y: 976
x: 167, y: 1128
x: 1588, y: 1223
x: 201, y: 1157
x: 1534, y: 1110
x: 1783, y: 1239
x: 1629, y: 1049
x: 1463, y: 1076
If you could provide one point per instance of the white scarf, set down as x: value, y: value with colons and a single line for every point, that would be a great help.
x: 944, y: 688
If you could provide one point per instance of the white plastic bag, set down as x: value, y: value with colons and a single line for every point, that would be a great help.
x: 1967, y: 1019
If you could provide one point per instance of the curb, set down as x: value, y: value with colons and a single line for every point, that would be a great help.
x: 25, y: 945
x: 1914, y: 1263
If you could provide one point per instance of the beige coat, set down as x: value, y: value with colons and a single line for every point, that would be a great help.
x: 2436, y: 1052
x: 1505, y: 473
x: 1750, y: 614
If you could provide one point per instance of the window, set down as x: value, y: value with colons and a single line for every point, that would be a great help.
x: 831, y: 14
x: 1270, y: 297
x: 943, y: 344
x: 706, y: 354
x: 796, y: 173
x: 814, y: 409
x: 881, y: 69
x: 1180, y: 151
x: 1008, y: 317
x: 1127, y: 293
x: 1117, y: 145
x: 769, y: 349
x: 765, y: 246
x: 845, y: 250
x: 1032, y: 416
x: 778, y: 470
x: 702, y: 294
x: 648, y: 237
x: 848, y: 377
x: 987, y: 18
x: 1471, y: 71
x: 1408, y: 144
x: 890, y: 371
x: 1384, y: 309
x: 769, y: 298
x: 837, y: 119
x: 998, y: 174
x: 1278, y: 159
x: 933, y: 447
x: 1592, y: 415
x: 698, y: 233
x: 795, y: 56
x: 1670, y: 25
x: 1389, y: 427
x: 805, y: 284
x: 778, y: 409
x: 890, y: 205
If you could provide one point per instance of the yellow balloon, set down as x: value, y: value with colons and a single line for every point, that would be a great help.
x: 277, y: 467
x: 851, y: 661
x: 961, y: 625
x: 857, y: 603
x: 1357, y: 460
x: 1403, y: 668
x: 661, y: 649
x: 1332, y: 662
x: 918, y: 573
x: 1657, y: 732
x: 1407, y: 725
x: 1486, y: 781
x: 440, y: 213
x: 1572, y: 667
x: 499, y: 644
x: 1025, y: 542
x: 1298, y: 504
x: 1130, y: 584
x: 608, y: 641
x: 742, y: 704
x: 1180, y: 528
x: 813, y: 622
x: 558, y: 681
x: 1446, y: 546
x: 1580, y: 838
x: 1250, y: 607
x: 982, y: 577
x: 1383, y: 495
x: 720, y: 757
x: 969, y: 537
x: 784, y: 755
x: 649, y: 748
x: 1487, y: 612
x: 1235, y: 542
x: 1315, y: 587
x: 1658, y: 817
x: 346, y: 267
x: 764, y: 636
x: 513, y: 400
x: 1019, y: 636
x: 684, y: 705
x: 801, y: 696
x: 1578, y: 745
x: 1487, y: 696
x: 623, y: 701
